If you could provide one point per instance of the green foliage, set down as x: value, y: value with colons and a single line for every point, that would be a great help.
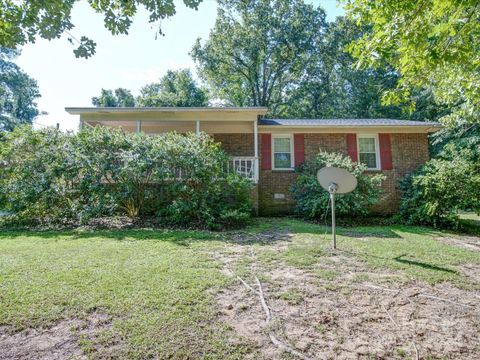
x: 463, y: 136
x: 118, y: 98
x: 312, y: 200
x: 432, y: 44
x: 23, y: 22
x: 258, y: 49
x: 98, y: 172
x: 18, y: 93
x: 176, y: 88
x: 333, y: 87
x: 284, y: 55
x: 435, y: 193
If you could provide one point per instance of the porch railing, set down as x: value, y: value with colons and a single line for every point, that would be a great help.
x: 246, y: 166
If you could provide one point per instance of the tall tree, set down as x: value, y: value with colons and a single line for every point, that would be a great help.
x: 433, y: 44
x: 18, y: 93
x: 22, y: 22
x: 117, y: 98
x: 258, y: 49
x: 334, y: 87
x: 176, y: 88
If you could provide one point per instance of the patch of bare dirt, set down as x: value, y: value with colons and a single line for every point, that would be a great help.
x: 352, y: 312
x: 466, y: 242
x: 60, y: 341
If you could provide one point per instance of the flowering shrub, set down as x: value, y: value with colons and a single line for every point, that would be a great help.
x: 100, y: 172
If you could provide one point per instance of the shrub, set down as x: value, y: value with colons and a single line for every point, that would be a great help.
x: 433, y: 194
x: 312, y: 199
x: 47, y: 174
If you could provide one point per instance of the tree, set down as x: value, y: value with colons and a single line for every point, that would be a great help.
x: 118, y: 98
x: 176, y: 88
x: 432, y: 44
x: 21, y: 22
x: 18, y: 93
x: 258, y: 49
x: 333, y: 87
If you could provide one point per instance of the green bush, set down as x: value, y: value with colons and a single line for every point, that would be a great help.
x: 50, y: 175
x: 435, y: 193
x: 312, y: 199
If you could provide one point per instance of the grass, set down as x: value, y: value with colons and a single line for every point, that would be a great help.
x: 470, y: 222
x: 159, y: 286
x: 415, y: 251
x: 155, y: 285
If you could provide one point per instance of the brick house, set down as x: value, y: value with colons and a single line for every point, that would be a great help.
x: 268, y: 150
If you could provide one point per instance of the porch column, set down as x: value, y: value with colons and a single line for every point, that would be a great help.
x: 139, y: 126
x: 81, y: 125
x: 255, y: 145
x: 197, y: 128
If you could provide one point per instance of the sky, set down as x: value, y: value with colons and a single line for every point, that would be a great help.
x: 129, y: 61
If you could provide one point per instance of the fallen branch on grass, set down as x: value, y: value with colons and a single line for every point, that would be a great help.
x: 445, y: 300
x: 398, y: 326
x: 396, y: 291
x: 247, y: 286
x: 268, y: 315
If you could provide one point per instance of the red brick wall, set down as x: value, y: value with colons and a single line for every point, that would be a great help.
x: 236, y: 144
x: 409, y: 151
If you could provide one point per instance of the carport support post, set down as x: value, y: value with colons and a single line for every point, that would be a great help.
x: 255, y: 146
x: 197, y: 127
x: 139, y: 126
x: 332, y: 198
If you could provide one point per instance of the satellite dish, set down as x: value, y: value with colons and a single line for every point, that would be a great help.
x: 344, y: 180
x: 336, y: 181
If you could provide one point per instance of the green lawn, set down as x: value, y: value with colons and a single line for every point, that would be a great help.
x: 158, y: 287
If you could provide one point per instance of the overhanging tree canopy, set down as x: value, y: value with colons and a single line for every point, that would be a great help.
x: 433, y: 44
x: 21, y: 22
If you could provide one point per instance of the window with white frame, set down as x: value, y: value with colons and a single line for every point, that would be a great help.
x: 368, y: 152
x: 282, y: 152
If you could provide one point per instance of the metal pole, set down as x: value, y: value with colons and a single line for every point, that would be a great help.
x: 332, y: 197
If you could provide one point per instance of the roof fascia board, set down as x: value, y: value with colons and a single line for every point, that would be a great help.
x: 119, y: 110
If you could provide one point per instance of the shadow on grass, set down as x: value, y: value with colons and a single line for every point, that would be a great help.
x: 422, y: 264
x: 374, y: 232
x: 261, y: 231
x: 175, y: 236
x: 400, y: 259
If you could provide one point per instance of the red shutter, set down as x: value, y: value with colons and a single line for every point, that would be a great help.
x: 352, y: 147
x: 266, y: 143
x: 385, y: 151
x: 299, y: 149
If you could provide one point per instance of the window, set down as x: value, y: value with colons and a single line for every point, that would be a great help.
x: 368, y: 151
x: 282, y: 152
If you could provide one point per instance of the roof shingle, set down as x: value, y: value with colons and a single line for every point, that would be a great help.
x: 345, y: 122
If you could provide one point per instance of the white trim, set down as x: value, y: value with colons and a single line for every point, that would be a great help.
x: 255, y: 147
x: 292, y: 152
x: 377, y: 149
x: 94, y: 110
